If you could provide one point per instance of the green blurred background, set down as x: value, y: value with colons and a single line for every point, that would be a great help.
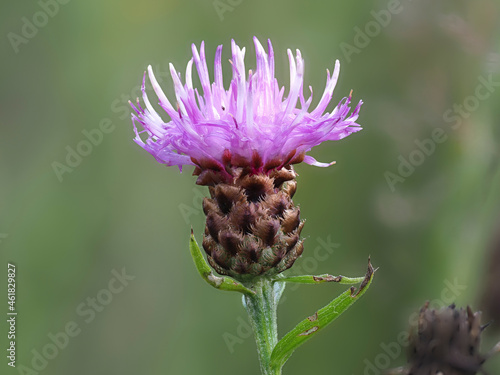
x: 118, y: 208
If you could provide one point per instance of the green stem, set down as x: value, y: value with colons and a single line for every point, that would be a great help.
x: 262, y: 308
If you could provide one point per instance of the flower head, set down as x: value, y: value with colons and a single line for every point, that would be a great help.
x: 252, y: 123
x: 446, y: 342
x: 243, y: 142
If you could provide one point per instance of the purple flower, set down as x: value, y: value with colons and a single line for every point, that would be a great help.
x: 251, y: 123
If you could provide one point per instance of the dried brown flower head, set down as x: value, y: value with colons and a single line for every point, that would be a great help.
x: 446, y: 342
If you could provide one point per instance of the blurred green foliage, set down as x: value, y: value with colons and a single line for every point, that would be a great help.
x: 119, y: 208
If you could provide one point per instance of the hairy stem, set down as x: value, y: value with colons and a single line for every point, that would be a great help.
x: 262, y: 308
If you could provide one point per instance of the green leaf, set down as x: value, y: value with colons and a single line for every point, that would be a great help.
x: 320, y: 279
x: 222, y: 283
x: 310, y: 326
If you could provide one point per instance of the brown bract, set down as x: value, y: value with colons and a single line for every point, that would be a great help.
x: 211, y: 172
x: 252, y: 227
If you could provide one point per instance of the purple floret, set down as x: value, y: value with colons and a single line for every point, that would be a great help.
x: 250, y: 119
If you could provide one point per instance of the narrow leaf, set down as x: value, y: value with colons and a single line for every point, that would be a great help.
x: 318, y: 321
x: 326, y: 278
x: 222, y: 283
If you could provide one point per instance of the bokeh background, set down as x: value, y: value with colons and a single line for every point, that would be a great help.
x: 117, y: 208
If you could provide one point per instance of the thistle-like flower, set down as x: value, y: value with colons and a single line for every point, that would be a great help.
x: 243, y: 142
